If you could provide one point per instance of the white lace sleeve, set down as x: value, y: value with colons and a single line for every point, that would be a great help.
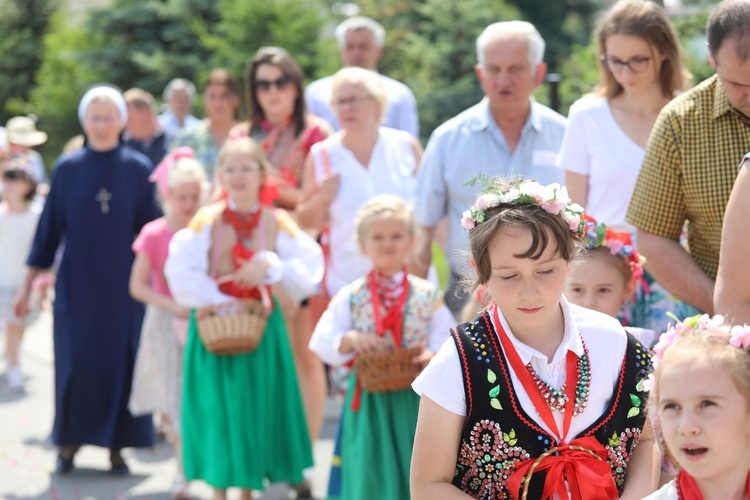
x: 186, y: 269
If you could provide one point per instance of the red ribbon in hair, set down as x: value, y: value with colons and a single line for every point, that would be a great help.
x: 160, y: 175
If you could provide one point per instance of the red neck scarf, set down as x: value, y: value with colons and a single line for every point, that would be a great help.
x: 582, y: 463
x: 393, y: 298
x: 687, y: 488
x: 245, y: 225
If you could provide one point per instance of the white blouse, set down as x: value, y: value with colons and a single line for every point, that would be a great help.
x: 594, y: 145
x: 442, y: 381
x: 336, y: 321
x: 391, y: 171
x: 666, y: 492
x: 297, y: 261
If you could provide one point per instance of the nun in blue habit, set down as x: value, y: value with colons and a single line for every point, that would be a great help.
x: 99, y: 200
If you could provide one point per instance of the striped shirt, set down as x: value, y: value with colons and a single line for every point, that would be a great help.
x: 689, y: 169
x: 470, y: 144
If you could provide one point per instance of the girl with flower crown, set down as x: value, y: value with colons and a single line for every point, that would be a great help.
x: 604, y: 279
x: 536, y: 397
x: 700, y: 390
x: 243, y: 422
x: 157, y: 376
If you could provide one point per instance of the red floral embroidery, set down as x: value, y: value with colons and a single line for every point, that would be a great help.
x: 489, y: 457
x: 618, y: 452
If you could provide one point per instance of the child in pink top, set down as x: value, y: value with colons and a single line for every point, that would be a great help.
x: 157, y: 377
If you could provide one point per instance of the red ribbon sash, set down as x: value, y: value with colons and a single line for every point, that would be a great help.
x: 541, y: 406
x: 393, y: 320
x: 587, y: 477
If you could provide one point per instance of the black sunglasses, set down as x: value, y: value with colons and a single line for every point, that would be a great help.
x: 280, y: 83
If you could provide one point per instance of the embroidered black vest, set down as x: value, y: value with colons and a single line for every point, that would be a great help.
x: 498, y: 433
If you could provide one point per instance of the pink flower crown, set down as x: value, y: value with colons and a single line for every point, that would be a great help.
x: 617, y: 242
x: 737, y: 336
x: 552, y: 198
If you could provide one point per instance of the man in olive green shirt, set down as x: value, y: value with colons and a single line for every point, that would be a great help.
x: 691, y: 164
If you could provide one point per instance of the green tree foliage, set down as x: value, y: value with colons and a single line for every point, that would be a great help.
x: 23, y: 24
x: 145, y: 43
x: 579, y: 75
x: 62, y: 79
x: 692, y: 32
x: 562, y: 24
x: 247, y: 25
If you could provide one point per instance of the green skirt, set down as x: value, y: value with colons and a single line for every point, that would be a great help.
x: 376, y: 443
x: 243, y: 422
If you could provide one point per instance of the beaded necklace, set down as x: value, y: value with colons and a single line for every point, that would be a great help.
x: 556, y: 398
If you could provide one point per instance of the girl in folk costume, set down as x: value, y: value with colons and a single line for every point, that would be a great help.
x: 605, y: 278
x: 701, y: 393
x: 387, y: 308
x: 157, y: 376
x: 280, y: 124
x: 535, y: 398
x: 242, y: 417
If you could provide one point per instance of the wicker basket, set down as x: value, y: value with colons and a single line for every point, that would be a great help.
x: 387, y: 370
x: 234, y: 327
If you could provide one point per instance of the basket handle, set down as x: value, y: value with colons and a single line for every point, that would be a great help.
x: 265, y: 299
x: 540, y: 459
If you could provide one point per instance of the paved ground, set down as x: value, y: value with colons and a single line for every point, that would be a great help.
x: 27, y: 458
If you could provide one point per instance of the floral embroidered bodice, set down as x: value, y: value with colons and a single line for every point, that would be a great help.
x: 498, y: 434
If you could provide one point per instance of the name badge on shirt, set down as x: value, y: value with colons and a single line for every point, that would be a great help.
x: 544, y: 158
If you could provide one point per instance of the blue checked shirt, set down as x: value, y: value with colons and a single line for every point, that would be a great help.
x: 470, y: 144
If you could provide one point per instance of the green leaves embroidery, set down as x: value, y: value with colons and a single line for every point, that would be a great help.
x: 510, y: 438
x: 635, y: 410
x: 614, y: 441
x: 495, y: 391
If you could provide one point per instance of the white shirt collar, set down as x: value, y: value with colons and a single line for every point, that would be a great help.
x: 571, y: 340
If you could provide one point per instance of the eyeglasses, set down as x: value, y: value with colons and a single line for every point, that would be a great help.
x: 281, y: 83
x: 354, y: 101
x: 101, y: 120
x: 16, y: 175
x: 636, y: 64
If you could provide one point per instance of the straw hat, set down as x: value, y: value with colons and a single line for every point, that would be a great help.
x: 22, y: 131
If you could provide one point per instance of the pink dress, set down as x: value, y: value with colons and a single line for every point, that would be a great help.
x: 157, y: 377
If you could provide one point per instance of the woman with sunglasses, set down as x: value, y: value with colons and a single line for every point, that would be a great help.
x: 275, y: 93
x: 640, y: 71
